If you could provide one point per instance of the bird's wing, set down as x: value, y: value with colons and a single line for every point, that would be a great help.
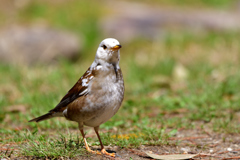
x: 78, y: 90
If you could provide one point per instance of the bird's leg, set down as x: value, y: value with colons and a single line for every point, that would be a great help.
x: 85, y: 141
x: 102, y: 147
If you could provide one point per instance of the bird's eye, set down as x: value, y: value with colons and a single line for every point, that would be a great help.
x: 104, y: 47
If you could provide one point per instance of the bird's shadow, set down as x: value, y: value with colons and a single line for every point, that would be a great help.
x: 109, y: 151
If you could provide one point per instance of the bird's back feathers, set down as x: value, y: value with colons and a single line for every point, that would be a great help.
x: 75, y: 92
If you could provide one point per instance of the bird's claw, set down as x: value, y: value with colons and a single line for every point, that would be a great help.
x: 94, y: 152
x: 103, y: 151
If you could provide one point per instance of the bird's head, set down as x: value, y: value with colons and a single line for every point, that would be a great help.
x: 108, y: 51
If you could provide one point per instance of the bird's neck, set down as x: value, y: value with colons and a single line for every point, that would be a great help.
x: 104, y: 64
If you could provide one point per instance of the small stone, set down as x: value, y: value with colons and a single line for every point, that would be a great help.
x: 37, y: 44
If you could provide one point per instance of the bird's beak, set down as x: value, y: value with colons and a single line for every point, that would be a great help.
x: 117, y: 47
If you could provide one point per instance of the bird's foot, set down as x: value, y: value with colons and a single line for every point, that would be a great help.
x: 103, y: 151
x: 94, y: 152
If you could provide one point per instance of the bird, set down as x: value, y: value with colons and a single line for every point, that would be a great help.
x: 96, y: 96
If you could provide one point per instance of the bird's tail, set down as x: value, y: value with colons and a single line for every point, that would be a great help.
x: 42, y: 118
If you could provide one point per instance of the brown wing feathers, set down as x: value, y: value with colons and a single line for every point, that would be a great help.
x: 72, y: 94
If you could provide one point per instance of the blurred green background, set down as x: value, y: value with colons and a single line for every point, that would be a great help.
x: 178, y: 78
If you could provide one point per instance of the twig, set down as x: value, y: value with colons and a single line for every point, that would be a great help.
x: 5, y: 149
x: 227, y: 151
x: 207, y: 155
x: 213, y: 145
x: 238, y: 157
x: 206, y: 132
x: 187, y: 138
x: 192, y: 141
x: 142, y: 154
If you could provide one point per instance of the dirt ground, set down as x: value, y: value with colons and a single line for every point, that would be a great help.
x: 206, y: 145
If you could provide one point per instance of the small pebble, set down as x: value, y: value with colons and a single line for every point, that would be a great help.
x: 234, y: 152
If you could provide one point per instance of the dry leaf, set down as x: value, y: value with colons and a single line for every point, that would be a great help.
x: 173, y: 156
x: 180, y: 73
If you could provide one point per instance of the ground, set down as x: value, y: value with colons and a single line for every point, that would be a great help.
x: 206, y: 145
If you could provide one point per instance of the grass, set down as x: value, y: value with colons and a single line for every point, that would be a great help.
x: 181, y: 81
x: 42, y: 146
x: 156, y: 102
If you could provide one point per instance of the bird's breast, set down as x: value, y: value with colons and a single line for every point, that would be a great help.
x: 105, y: 97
